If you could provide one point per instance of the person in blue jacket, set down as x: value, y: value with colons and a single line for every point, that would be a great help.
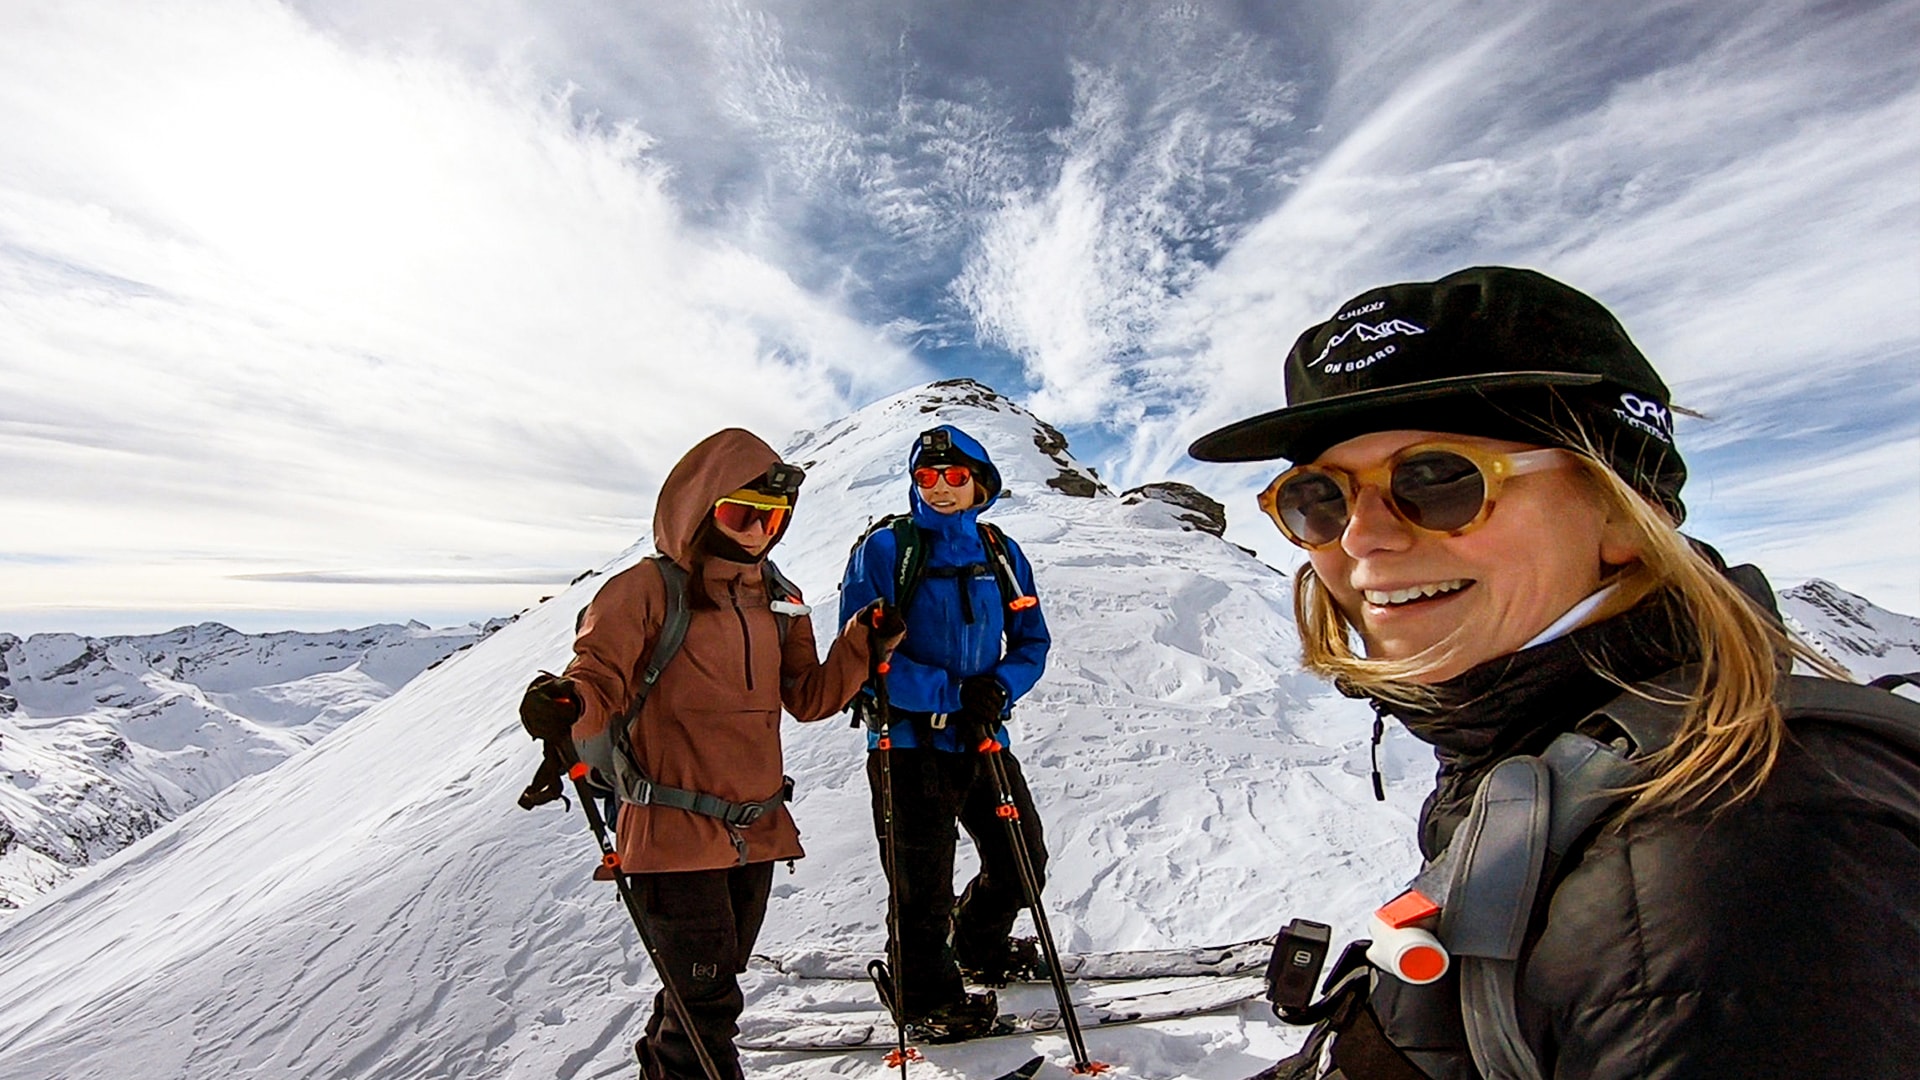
x: 976, y: 642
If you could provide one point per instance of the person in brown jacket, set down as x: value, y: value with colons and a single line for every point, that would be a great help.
x: 710, y: 726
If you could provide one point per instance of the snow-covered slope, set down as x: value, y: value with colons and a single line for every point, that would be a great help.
x: 1869, y: 641
x: 102, y: 740
x: 378, y: 906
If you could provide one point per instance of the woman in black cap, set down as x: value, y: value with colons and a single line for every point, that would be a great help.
x: 1651, y: 852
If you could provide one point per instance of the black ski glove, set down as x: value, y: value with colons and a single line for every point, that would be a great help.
x: 983, y: 701
x: 885, y: 628
x: 882, y: 620
x: 550, y: 707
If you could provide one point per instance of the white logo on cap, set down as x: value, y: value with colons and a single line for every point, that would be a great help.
x: 1649, y: 416
x: 1367, y: 333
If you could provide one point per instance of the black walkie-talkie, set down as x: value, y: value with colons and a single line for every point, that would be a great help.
x: 1298, y: 955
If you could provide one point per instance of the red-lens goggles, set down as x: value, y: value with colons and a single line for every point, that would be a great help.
x: 954, y: 475
x: 742, y: 510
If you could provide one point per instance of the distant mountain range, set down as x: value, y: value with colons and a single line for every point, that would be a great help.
x: 103, y: 740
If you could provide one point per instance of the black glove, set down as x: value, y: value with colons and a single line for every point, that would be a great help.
x: 882, y: 620
x: 983, y: 701
x: 550, y: 707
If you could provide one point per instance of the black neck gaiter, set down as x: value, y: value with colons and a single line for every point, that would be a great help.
x: 1518, y: 703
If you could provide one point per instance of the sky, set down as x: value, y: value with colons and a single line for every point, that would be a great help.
x: 323, y: 313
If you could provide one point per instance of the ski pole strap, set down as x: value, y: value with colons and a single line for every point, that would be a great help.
x: 546, y: 785
x: 644, y: 792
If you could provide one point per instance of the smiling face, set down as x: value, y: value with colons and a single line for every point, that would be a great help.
x: 948, y: 499
x: 1545, y: 546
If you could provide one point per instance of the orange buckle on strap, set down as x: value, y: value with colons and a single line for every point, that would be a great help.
x: 1022, y: 603
x: 1406, y: 909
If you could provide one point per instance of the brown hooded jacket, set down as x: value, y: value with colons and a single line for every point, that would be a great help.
x: 712, y: 721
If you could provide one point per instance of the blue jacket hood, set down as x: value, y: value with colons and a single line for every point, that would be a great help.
x: 985, y: 473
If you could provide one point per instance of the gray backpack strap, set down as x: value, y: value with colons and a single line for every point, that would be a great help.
x: 629, y: 780
x: 1491, y: 875
x: 1527, y: 815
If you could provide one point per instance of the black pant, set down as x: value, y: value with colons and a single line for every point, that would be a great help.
x: 931, y: 790
x: 704, y: 923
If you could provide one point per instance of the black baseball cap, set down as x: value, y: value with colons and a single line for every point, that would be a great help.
x: 1492, y: 351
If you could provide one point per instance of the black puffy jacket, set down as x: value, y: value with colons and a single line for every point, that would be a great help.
x: 1776, y: 937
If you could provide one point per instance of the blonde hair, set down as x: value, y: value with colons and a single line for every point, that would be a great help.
x: 1732, y: 730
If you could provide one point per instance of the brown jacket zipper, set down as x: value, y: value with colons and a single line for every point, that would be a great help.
x: 746, y: 636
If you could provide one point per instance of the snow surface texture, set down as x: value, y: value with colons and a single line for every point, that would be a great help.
x: 103, y: 740
x: 377, y: 906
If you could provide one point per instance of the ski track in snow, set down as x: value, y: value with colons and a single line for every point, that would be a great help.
x: 377, y: 906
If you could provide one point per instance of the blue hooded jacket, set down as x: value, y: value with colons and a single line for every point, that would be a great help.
x: 948, y: 640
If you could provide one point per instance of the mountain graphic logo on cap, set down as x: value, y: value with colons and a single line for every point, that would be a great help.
x: 1367, y: 333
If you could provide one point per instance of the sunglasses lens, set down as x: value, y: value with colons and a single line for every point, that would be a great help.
x: 1439, y: 490
x: 1312, y: 507
x: 954, y: 475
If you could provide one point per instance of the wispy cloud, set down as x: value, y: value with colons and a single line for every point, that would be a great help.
x: 1734, y: 189
x: 268, y: 296
x: 359, y: 289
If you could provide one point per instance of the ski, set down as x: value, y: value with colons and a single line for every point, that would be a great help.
x: 1239, y: 958
x: 802, y: 1030
x: 1024, y: 1072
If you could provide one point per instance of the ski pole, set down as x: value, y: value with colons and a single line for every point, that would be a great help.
x: 883, y: 704
x: 1009, y: 814
x: 611, y: 860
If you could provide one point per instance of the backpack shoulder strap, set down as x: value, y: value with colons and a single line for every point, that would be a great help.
x: 998, y: 558
x: 909, y: 557
x: 673, y: 626
x: 1874, y: 708
x: 672, y: 634
x: 785, y: 598
x: 1519, y: 828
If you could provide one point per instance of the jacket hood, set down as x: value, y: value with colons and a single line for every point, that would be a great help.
x: 723, y: 462
x: 965, y: 446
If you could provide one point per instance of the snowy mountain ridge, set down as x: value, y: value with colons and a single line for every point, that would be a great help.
x: 103, y: 740
x: 377, y: 906
x: 1868, y: 641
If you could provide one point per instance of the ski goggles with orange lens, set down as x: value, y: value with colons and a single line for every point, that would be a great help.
x: 743, y: 509
x: 1443, y: 488
x: 954, y: 475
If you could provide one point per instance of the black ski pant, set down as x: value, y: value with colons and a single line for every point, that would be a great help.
x: 932, y: 789
x: 704, y: 923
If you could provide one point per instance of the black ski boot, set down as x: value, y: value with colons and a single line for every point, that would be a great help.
x: 970, y: 1017
x: 1018, y: 961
